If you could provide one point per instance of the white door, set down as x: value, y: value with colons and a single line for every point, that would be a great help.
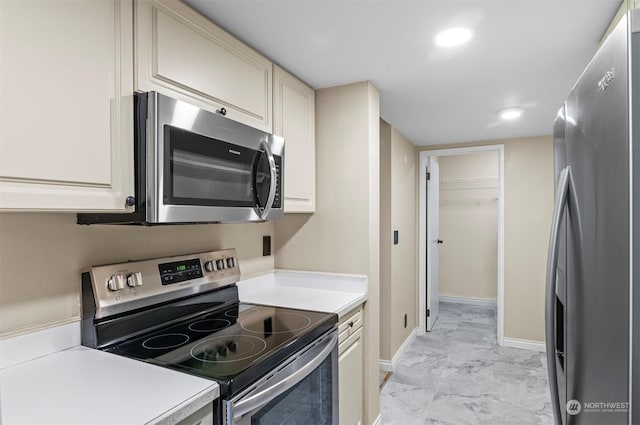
x: 433, y: 244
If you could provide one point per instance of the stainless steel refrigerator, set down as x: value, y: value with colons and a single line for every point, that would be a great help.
x: 593, y: 275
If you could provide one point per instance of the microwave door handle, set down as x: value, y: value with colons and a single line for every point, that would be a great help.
x: 562, y: 195
x: 272, y: 186
x: 264, y: 396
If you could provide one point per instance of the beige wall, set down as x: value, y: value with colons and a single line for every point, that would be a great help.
x: 343, y: 234
x: 42, y: 255
x: 469, y: 225
x: 403, y: 219
x: 397, y: 262
x: 528, y: 206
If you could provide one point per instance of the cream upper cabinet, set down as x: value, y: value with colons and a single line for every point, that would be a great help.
x: 351, y: 368
x: 294, y: 119
x: 184, y: 55
x: 66, y: 105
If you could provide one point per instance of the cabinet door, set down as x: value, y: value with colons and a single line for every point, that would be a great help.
x: 66, y: 108
x: 350, y: 375
x: 182, y: 54
x: 294, y: 119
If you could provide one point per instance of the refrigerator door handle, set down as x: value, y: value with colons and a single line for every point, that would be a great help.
x: 562, y: 195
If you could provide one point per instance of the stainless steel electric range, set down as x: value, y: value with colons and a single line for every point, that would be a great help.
x: 274, y: 365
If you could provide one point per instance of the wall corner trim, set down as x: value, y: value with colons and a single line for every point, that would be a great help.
x: 390, y: 366
x: 524, y: 344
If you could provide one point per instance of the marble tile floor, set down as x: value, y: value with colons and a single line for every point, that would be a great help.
x: 458, y: 375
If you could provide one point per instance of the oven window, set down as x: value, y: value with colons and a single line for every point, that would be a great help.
x: 309, y: 402
x: 204, y: 171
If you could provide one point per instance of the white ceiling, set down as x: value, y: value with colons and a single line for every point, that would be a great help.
x: 524, y: 53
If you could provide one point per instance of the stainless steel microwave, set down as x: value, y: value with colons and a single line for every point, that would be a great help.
x: 195, y: 166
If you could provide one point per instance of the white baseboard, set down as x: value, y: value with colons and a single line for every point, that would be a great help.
x: 385, y: 365
x: 378, y: 420
x: 524, y: 344
x: 465, y: 300
x: 389, y: 366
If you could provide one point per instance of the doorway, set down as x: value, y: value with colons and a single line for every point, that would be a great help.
x: 429, y: 238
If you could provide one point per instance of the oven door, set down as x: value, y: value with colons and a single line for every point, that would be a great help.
x: 206, y: 168
x: 302, y: 390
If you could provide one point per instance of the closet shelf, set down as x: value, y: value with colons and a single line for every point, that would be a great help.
x: 468, y: 183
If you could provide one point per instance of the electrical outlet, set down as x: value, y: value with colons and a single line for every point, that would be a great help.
x: 266, y: 246
x: 405, y: 321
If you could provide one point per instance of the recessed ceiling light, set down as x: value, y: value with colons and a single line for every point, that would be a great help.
x: 510, y: 113
x: 453, y: 37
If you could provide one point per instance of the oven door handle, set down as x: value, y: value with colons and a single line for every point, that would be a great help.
x: 318, y: 354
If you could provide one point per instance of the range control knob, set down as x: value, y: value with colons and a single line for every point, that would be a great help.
x: 116, y: 282
x: 209, y: 266
x: 230, y: 262
x: 134, y: 279
x: 219, y: 264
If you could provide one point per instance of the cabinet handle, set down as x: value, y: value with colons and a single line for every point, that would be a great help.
x: 351, y: 324
x: 130, y: 201
x: 222, y: 111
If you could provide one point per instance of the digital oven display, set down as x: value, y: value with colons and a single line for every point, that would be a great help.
x: 179, y: 271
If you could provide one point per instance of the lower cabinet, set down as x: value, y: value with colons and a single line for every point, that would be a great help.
x: 351, y: 368
x: 202, y: 416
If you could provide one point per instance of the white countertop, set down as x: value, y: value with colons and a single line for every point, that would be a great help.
x: 327, y: 292
x: 85, y: 386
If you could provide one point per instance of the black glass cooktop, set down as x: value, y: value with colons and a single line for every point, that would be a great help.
x: 234, y: 346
